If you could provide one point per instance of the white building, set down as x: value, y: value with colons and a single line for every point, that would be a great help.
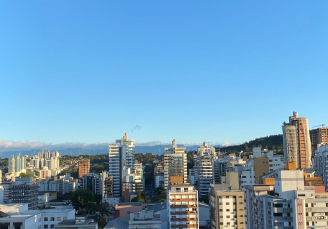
x: 16, y: 165
x: 248, y: 172
x: 18, y: 216
x: 127, y: 151
x: 144, y: 219
x: 182, y: 205
x: 205, y: 156
x: 287, y: 204
x: 114, y: 169
x: 320, y: 164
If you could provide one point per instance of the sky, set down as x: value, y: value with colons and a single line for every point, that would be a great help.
x: 217, y: 71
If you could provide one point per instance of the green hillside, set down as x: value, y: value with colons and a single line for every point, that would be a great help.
x: 272, y: 142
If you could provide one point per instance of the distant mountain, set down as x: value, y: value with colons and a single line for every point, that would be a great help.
x: 156, y: 150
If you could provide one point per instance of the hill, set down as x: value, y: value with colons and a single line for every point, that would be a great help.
x: 272, y: 142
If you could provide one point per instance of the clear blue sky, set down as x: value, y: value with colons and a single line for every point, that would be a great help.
x: 87, y: 71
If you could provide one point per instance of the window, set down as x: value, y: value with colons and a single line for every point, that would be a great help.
x: 52, y: 226
x: 64, y: 218
x: 45, y: 218
x: 52, y: 219
x: 58, y: 218
x: 45, y: 226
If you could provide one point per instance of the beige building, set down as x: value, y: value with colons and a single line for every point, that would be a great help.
x: 182, y: 201
x: 297, y: 143
x: 175, y: 165
x: 84, y: 167
x: 227, y: 209
x: 226, y: 202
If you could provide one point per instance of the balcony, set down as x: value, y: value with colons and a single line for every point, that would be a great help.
x: 184, y: 225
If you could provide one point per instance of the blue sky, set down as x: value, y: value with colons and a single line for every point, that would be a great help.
x: 215, y: 71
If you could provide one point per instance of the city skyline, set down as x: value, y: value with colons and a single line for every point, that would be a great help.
x: 215, y: 72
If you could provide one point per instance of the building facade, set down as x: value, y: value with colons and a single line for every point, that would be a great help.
x: 296, y: 142
x: 205, y: 156
x: 175, y: 165
x: 182, y: 205
x: 84, y: 167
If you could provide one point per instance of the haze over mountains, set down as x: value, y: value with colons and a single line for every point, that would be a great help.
x: 8, y: 148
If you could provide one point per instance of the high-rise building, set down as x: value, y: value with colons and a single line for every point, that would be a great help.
x: 320, y: 164
x: 205, y: 155
x: 84, y: 167
x: 318, y: 136
x: 127, y: 151
x: 24, y: 191
x: 296, y: 141
x: 286, y: 204
x: 17, y: 165
x: 182, y: 205
x: 114, y: 169
x: 175, y: 165
x: 226, y: 207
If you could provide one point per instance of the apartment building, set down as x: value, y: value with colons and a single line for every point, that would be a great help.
x: 320, y: 164
x: 286, y: 204
x: 205, y: 156
x: 318, y: 136
x: 114, y: 170
x: 19, y: 216
x: 84, y: 167
x: 131, y: 184
x: 24, y: 191
x: 16, y: 165
x: 175, y: 165
x: 182, y: 205
x: 296, y: 142
x: 144, y: 219
x: 127, y: 149
x: 226, y: 207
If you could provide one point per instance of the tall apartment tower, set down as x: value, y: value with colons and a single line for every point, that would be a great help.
x: 175, y: 165
x: 297, y: 143
x: 182, y: 201
x: 318, y: 136
x: 205, y: 155
x: 127, y: 151
x: 17, y: 165
x: 84, y: 167
x: 226, y: 208
x: 115, y: 170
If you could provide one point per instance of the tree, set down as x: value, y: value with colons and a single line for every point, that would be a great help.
x: 81, y: 197
x: 204, y: 199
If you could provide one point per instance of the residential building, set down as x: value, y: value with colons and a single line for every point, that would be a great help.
x: 125, y: 209
x: 127, y: 151
x: 193, y: 175
x: 320, y: 164
x: 144, y: 219
x: 78, y: 223
x: 318, y: 136
x: 24, y: 191
x: 16, y: 165
x: 84, y: 167
x: 175, y: 165
x: 114, y: 170
x: 286, y: 204
x: 18, y: 216
x: 226, y: 207
x: 259, y: 165
x: 205, y: 156
x: 296, y: 142
x: 182, y: 205
x: 219, y: 169
x: 131, y: 184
